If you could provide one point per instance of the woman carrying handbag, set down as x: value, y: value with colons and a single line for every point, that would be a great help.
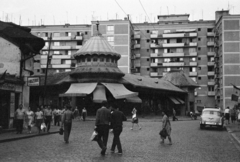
x: 166, y: 128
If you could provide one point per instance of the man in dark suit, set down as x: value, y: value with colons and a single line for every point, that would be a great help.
x: 117, y: 119
x: 103, y: 118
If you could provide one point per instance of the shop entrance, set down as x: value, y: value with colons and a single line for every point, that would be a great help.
x: 4, y: 109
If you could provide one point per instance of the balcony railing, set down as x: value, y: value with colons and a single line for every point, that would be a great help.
x: 155, y: 55
x: 154, y: 64
x: 173, y: 64
x: 212, y: 83
x: 137, y: 46
x: 192, y: 73
x: 61, y: 38
x: 153, y: 35
x: 193, y: 54
x: 211, y: 93
x: 62, y: 66
x: 173, y: 54
x: 138, y: 55
x: 192, y: 63
x: 78, y: 37
x: 211, y: 53
x: 210, y: 34
x: 210, y: 63
x: 211, y: 73
x: 153, y: 74
x: 61, y: 47
x: 210, y: 43
x: 137, y: 36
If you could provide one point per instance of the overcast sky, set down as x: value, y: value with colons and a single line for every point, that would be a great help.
x: 54, y: 12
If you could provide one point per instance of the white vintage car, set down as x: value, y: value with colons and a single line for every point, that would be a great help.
x: 211, y: 117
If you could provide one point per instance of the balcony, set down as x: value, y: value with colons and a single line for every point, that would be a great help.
x: 153, y: 74
x: 210, y: 43
x: 153, y: 35
x: 154, y: 45
x: 61, y: 57
x: 193, y: 73
x: 155, y: 55
x: 78, y: 46
x: 211, y: 83
x: 62, y: 66
x: 138, y: 55
x: 210, y: 73
x: 211, y: 93
x: 44, y: 38
x: 211, y: 53
x: 61, y: 38
x: 136, y: 46
x: 78, y: 37
x: 61, y: 47
x: 175, y: 35
x: 173, y: 54
x: 193, y: 44
x: 173, y: 44
x: 137, y: 36
x: 193, y: 54
x: 210, y: 63
x: 155, y: 64
x: 192, y: 63
x: 173, y: 64
x: 210, y: 34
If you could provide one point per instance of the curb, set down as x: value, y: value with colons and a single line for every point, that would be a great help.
x: 25, y: 137
x: 233, y: 135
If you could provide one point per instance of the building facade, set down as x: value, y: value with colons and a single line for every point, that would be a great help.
x: 207, y: 51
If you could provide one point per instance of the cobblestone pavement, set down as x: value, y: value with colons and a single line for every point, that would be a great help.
x: 190, y: 144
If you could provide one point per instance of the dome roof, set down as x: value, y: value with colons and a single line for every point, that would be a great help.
x: 179, y: 78
x: 97, y: 45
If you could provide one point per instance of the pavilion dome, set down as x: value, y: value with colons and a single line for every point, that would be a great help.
x: 97, y: 45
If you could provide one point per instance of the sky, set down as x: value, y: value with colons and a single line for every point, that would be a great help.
x: 59, y: 12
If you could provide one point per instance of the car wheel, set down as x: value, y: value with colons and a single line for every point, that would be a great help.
x: 201, y: 126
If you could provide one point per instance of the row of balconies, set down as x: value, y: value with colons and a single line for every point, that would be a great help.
x: 172, y: 54
x: 156, y: 64
x: 166, y: 45
x: 173, y: 35
x: 61, y: 47
x: 210, y: 93
x: 57, y: 66
x: 63, y: 38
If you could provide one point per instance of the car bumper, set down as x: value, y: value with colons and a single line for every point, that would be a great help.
x: 210, y: 123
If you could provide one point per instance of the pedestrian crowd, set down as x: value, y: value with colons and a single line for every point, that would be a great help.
x: 232, y: 115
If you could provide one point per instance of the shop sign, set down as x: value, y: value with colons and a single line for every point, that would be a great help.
x: 8, y: 87
x: 33, y: 81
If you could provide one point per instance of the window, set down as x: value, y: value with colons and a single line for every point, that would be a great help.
x: 107, y: 59
x: 112, y: 60
x: 179, y: 50
x: 147, y: 59
x: 68, y: 34
x: 101, y: 59
x: 199, y: 29
x: 199, y: 39
x: 86, y: 32
x: 79, y: 33
x: 199, y: 58
x: 147, y: 69
x: 56, y: 34
x: 56, y: 52
x: 110, y: 39
x: 199, y: 78
x: 179, y: 40
x: 89, y: 59
x: 192, y: 69
x: 193, y: 59
x: 199, y: 48
x: 69, y: 53
x: 79, y: 43
x: 110, y: 28
x: 46, y: 34
x: 191, y: 50
x: 210, y: 49
x: 95, y: 59
x: 156, y: 51
x: 147, y: 40
x: 147, y: 31
x: 211, y: 88
x: 56, y: 43
x: 147, y: 50
x: 199, y: 68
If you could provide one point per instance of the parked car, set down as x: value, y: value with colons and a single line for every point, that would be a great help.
x: 211, y: 117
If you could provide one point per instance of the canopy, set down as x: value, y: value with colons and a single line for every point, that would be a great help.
x: 79, y: 89
x: 119, y: 91
x: 174, y: 100
x: 134, y: 99
x: 181, y: 101
x: 99, y: 94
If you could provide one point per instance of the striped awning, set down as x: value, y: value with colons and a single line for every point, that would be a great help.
x: 174, y: 100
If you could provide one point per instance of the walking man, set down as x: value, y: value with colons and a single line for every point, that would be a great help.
x: 19, y: 116
x: 117, y: 119
x: 67, y: 123
x: 174, y: 115
x: 48, y: 117
x: 84, y: 113
x: 103, y: 118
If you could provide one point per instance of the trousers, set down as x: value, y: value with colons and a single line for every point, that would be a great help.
x: 67, y: 130
x: 116, y: 139
x: 103, y: 131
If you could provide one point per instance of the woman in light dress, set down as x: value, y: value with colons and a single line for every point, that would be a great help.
x: 135, y: 118
x: 39, y: 119
x: 167, y: 125
x: 30, y: 117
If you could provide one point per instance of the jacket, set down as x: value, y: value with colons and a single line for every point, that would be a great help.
x: 103, y: 116
x: 117, y: 119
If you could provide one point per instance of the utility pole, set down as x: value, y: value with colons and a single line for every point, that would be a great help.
x: 46, y: 71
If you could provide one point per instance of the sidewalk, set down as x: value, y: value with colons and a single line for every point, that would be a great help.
x: 234, y: 130
x: 10, y: 135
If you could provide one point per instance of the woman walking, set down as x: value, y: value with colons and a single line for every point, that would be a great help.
x: 135, y: 118
x: 39, y: 119
x: 166, y: 125
x: 30, y: 117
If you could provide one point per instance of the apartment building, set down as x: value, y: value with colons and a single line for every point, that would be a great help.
x: 61, y: 41
x: 207, y: 51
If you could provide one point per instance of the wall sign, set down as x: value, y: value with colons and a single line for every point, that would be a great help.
x: 33, y: 81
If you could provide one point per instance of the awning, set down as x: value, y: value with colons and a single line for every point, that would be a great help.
x: 99, y: 94
x: 181, y: 101
x: 135, y: 99
x: 174, y: 100
x: 79, y: 89
x: 119, y: 91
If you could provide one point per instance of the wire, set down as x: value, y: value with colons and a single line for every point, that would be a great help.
x: 121, y: 8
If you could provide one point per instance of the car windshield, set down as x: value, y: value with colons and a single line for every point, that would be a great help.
x: 207, y: 112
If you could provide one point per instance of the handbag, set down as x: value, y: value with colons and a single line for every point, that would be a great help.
x: 94, y: 136
x: 61, y: 131
x: 43, y: 126
x: 163, y: 133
